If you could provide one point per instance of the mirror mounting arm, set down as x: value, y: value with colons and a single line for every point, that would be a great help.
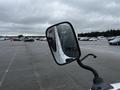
x: 94, y: 56
x: 98, y: 83
x: 97, y: 78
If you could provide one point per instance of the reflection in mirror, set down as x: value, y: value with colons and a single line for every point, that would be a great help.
x: 63, y: 43
x: 68, y: 41
x: 51, y: 38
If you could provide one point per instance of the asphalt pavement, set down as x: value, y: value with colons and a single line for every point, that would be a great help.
x: 30, y: 66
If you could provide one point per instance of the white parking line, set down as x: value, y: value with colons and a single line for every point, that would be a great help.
x: 7, y: 69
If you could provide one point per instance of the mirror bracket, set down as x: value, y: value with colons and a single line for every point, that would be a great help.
x: 94, y: 56
x: 98, y: 83
x: 97, y: 78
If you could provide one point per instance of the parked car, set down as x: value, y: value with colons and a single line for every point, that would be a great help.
x: 7, y: 38
x: 84, y: 39
x: 16, y: 39
x: 29, y: 40
x: 100, y: 37
x: 37, y: 39
x: 110, y: 38
x: 2, y: 39
x: 93, y: 39
x: 42, y: 39
x: 115, y: 41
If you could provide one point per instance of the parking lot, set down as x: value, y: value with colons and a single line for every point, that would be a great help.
x: 30, y: 66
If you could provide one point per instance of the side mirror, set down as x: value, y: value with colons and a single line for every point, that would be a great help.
x: 63, y: 43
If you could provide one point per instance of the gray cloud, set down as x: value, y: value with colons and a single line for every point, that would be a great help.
x: 34, y: 16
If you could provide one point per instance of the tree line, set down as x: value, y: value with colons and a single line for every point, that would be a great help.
x: 107, y: 33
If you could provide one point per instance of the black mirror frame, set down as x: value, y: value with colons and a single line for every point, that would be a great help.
x: 75, y: 40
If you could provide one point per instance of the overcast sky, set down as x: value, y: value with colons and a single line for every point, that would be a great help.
x: 34, y: 16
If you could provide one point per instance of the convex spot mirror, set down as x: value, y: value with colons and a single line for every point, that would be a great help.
x: 63, y: 43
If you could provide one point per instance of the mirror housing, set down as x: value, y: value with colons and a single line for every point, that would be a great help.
x: 63, y: 43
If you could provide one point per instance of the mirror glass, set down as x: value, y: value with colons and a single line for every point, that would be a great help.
x: 63, y: 43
